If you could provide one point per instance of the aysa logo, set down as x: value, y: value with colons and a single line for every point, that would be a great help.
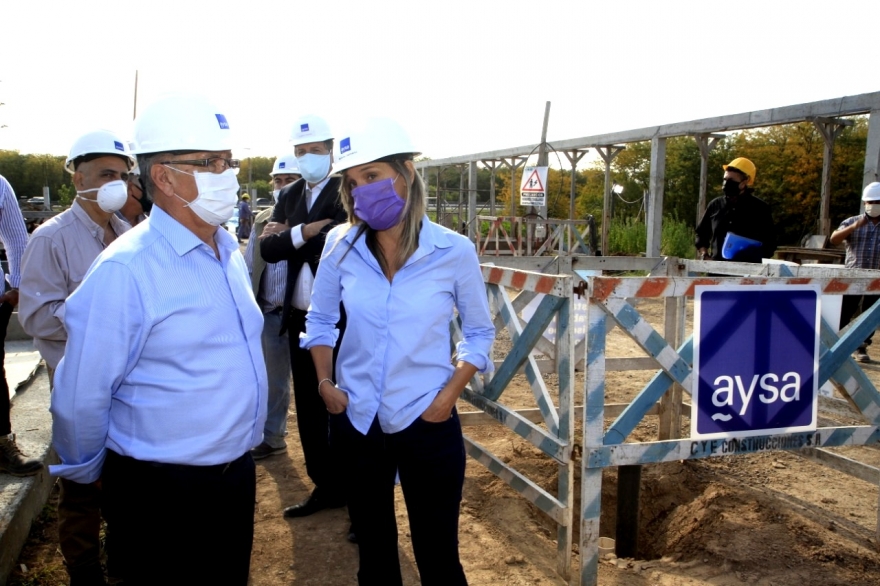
x: 303, y: 128
x: 345, y: 145
x: 118, y: 146
x: 221, y: 119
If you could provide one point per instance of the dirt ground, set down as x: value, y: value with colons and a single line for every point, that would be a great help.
x: 771, y: 519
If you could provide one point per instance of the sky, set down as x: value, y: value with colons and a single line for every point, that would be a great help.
x: 461, y: 76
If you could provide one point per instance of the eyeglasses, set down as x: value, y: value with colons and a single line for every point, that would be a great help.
x: 215, y: 164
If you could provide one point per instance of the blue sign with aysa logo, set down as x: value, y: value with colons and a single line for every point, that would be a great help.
x: 345, y: 145
x: 221, y: 120
x: 118, y: 146
x: 756, y: 360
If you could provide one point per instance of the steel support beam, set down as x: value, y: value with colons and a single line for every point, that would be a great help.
x: 705, y: 142
x: 472, y: 200
x: 514, y: 163
x: 654, y: 200
x: 872, y: 149
x: 608, y: 153
x: 830, y: 129
x: 492, y: 165
x: 573, y: 157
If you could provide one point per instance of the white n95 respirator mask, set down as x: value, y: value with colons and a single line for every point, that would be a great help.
x: 111, y: 196
x: 217, y: 195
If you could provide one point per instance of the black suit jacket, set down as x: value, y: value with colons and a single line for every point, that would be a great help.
x: 291, y: 210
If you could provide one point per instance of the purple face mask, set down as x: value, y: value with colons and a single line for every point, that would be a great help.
x: 378, y: 204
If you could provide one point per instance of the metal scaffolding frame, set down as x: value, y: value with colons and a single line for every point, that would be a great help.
x: 825, y: 114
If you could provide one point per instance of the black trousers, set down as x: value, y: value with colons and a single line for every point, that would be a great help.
x: 322, y: 459
x: 852, y: 307
x: 430, y: 459
x: 180, y: 525
x: 79, y: 531
x: 5, y: 420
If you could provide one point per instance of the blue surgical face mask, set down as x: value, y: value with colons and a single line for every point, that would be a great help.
x: 314, y: 167
x: 378, y: 204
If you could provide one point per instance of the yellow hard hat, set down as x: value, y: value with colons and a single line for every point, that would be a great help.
x: 245, y: 196
x: 744, y: 166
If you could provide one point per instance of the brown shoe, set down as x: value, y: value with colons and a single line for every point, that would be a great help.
x: 13, y: 462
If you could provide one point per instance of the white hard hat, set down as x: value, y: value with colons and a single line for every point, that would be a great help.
x: 310, y: 128
x: 871, y: 192
x: 98, y: 142
x: 285, y: 165
x: 181, y: 122
x: 379, y: 138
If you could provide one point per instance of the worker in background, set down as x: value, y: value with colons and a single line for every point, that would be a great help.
x: 137, y: 206
x: 305, y: 212
x: 162, y: 390
x: 737, y: 226
x: 245, y: 217
x: 861, y: 237
x: 54, y: 264
x: 269, y: 282
x: 14, y: 236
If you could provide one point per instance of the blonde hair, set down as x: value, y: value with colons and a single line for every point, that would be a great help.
x: 413, y: 214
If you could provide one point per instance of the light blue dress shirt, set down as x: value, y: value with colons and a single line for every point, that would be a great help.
x: 163, y: 360
x: 13, y: 233
x: 396, y: 352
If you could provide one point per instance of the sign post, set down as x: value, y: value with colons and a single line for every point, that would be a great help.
x: 756, y: 360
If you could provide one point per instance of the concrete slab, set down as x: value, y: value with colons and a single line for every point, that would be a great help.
x: 22, y: 499
x: 21, y: 363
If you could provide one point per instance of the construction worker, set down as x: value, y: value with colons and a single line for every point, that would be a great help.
x: 739, y: 213
x: 269, y: 281
x: 305, y: 212
x: 54, y: 264
x: 861, y: 237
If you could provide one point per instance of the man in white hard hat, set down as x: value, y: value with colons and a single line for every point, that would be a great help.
x: 861, y: 237
x: 305, y: 212
x: 269, y: 282
x: 54, y: 263
x: 162, y: 390
x: 137, y: 206
x: 14, y: 236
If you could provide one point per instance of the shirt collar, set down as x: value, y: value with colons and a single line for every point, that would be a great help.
x: 431, y: 237
x: 118, y: 226
x: 182, y: 239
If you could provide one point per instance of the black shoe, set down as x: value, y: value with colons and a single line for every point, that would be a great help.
x: 264, y: 450
x: 312, y: 505
x: 352, y: 536
x: 13, y: 462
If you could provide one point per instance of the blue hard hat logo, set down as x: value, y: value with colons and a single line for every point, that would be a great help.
x: 345, y: 145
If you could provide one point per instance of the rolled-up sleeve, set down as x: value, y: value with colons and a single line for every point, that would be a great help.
x: 105, y: 338
x: 477, y: 330
x: 43, y: 290
x: 323, y: 312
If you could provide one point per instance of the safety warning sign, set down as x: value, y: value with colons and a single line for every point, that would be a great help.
x: 531, y: 191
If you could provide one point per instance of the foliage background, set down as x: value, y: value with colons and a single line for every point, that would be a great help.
x: 788, y: 159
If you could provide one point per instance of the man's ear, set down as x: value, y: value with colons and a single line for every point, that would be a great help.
x: 79, y: 181
x: 160, y: 174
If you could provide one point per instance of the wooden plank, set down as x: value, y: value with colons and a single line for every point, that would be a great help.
x: 691, y: 449
x: 531, y: 491
x: 841, y: 464
x: 471, y: 418
x: 533, y: 374
x: 519, y: 354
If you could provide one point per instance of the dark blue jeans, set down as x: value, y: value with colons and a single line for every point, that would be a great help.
x: 430, y: 459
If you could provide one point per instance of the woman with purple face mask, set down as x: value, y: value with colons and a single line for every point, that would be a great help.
x: 392, y: 398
